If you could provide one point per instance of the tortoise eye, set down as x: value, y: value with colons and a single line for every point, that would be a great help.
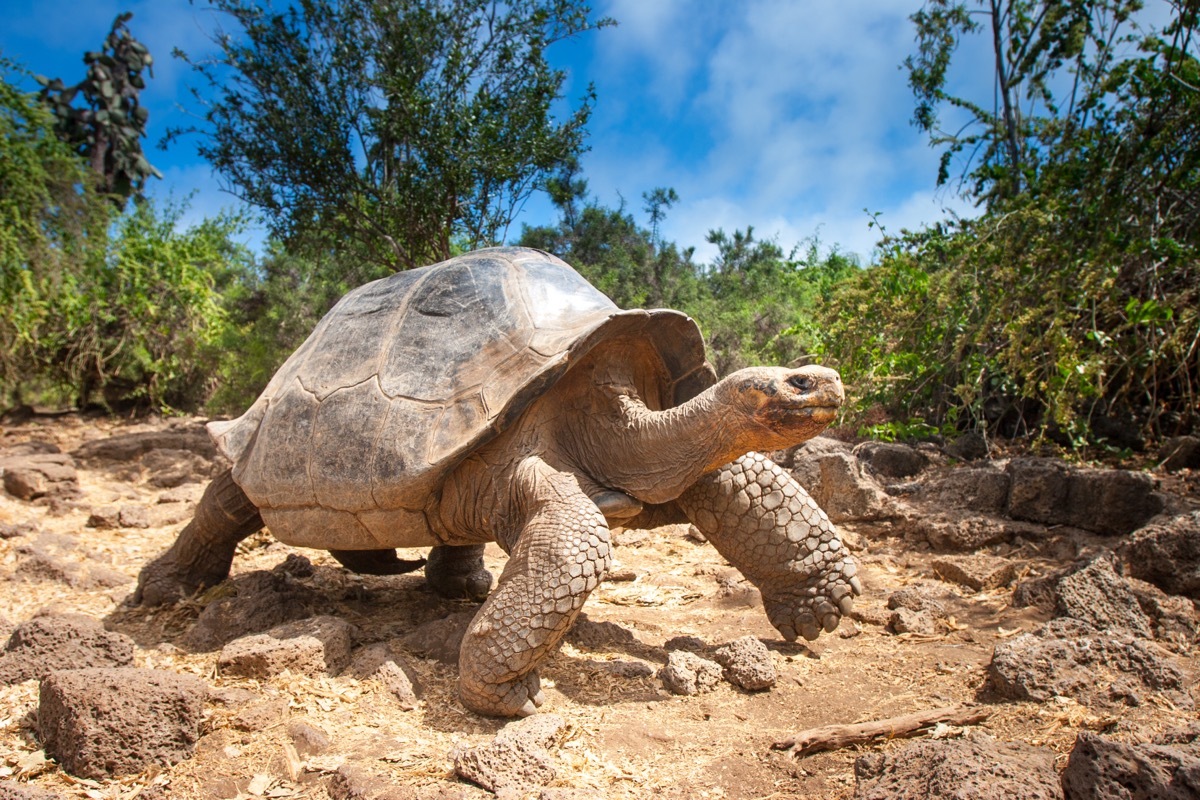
x: 801, y: 382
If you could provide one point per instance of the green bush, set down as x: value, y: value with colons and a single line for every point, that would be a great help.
x: 1016, y: 324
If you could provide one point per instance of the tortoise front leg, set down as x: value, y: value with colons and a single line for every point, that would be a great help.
x: 767, y: 526
x: 203, y: 553
x: 560, y: 555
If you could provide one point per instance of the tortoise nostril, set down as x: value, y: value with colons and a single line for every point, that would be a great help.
x: 801, y: 382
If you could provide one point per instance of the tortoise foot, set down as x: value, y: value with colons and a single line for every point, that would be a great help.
x: 519, y: 698
x: 818, y: 604
x: 164, y: 581
x: 457, y: 573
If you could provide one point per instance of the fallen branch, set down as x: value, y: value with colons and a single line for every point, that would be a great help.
x: 834, y: 737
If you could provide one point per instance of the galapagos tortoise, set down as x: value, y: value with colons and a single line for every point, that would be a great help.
x: 499, y: 397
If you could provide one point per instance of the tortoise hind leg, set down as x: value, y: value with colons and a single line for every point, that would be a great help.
x: 457, y: 572
x: 375, y: 562
x: 203, y: 553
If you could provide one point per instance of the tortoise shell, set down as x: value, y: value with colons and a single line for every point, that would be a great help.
x: 409, y: 374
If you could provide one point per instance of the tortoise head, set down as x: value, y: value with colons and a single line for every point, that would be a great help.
x: 784, y: 407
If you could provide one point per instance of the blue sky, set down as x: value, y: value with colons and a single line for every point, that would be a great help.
x: 786, y: 115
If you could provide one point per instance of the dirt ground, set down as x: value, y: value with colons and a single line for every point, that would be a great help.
x: 627, y: 736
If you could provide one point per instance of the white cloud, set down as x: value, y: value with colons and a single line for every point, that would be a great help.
x: 789, y: 117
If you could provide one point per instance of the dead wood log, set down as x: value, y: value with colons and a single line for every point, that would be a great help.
x: 834, y: 737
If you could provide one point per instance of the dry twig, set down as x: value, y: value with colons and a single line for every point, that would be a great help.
x: 834, y: 737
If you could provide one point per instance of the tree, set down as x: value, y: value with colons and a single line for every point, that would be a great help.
x: 396, y: 127
x: 1050, y: 61
x: 49, y: 224
x: 1070, y: 308
x: 107, y: 130
x: 760, y: 301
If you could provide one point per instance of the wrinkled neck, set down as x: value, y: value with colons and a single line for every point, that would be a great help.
x: 656, y: 455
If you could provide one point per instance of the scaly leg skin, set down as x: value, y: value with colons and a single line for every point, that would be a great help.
x: 767, y: 526
x: 560, y: 556
x: 203, y: 553
x: 457, y: 572
x: 375, y: 562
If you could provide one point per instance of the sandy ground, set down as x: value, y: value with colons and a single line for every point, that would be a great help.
x: 627, y: 736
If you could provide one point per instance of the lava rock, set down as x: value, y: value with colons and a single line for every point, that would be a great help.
x: 309, y: 740
x: 837, y: 481
x: 316, y: 646
x: 34, y: 470
x: 978, y: 767
x: 49, y: 642
x: 11, y: 790
x: 971, y: 446
x: 1167, y: 554
x: 100, y: 723
x: 905, y: 620
x: 979, y: 573
x: 980, y: 490
x: 357, y: 782
x: 169, y: 467
x: 689, y: 674
x: 602, y: 635
x: 1105, y: 501
x: 190, y: 436
x: 1100, y: 768
x: 891, y: 459
x: 517, y: 759
x: 1173, y: 618
x: 921, y: 597
x: 258, y: 601
x: 261, y: 714
x: 1068, y: 658
x: 957, y: 531
x: 384, y: 663
x: 747, y: 664
x: 1180, y: 452
x: 439, y: 639
x: 1101, y: 598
